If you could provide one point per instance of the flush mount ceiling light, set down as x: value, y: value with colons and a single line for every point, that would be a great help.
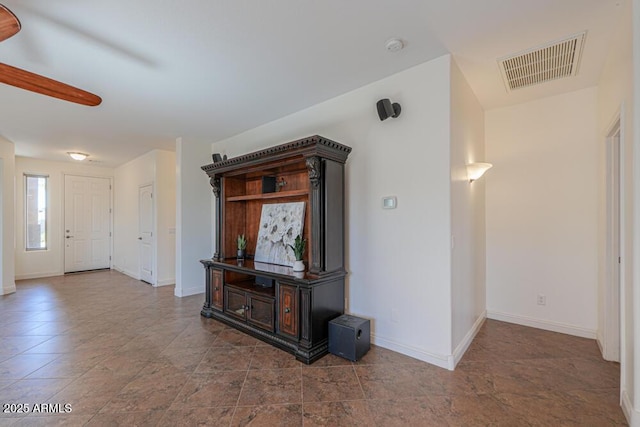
x: 476, y: 170
x: 394, y: 45
x: 77, y: 156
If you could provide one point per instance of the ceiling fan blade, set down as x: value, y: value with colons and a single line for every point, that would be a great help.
x: 9, y: 23
x: 36, y: 83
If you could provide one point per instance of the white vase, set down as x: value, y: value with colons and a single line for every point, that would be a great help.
x: 298, y: 265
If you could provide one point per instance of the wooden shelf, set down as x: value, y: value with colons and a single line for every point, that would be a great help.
x: 250, y: 285
x: 263, y: 196
x: 250, y: 267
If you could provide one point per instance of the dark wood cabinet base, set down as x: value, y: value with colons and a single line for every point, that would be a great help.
x: 307, y: 356
x: 294, y: 315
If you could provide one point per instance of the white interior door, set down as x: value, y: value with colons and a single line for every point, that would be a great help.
x: 612, y: 309
x: 615, y: 311
x: 87, y: 223
x: 145, y: 204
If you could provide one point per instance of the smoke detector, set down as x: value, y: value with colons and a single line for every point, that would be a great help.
x: 544, y: 63
x: 394, y: 45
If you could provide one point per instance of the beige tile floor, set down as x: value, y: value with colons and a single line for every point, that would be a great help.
x: 123, y: 353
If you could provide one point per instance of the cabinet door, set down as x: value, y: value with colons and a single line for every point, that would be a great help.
x: 288, y: 310
x: 260, y: 311
x: 235, y: 303
x: 216, y: 289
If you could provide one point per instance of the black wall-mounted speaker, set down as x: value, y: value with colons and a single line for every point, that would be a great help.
x: 386, y: 109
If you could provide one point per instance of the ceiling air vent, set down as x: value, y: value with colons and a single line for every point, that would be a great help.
x: 541, y: 64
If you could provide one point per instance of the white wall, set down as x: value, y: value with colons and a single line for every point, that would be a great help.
x: 615, y: 97
x: 193, y: 215
x: 49, y: 262
x: 467, y: 215
x: 633, y: 190
x: 166, y: 223
x: 128, y: 179
x: 542, y: 213
x: 157, y: 168
x: 398, y: 260
x: 7, y: 224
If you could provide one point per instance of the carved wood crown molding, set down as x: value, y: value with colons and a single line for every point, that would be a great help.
x: 342, y: 151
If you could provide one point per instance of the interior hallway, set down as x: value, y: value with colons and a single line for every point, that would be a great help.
x: 122, y: 353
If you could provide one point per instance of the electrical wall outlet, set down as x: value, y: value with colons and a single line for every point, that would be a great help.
x: 542, y: 299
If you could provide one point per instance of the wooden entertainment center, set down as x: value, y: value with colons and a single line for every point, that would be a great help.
x: 291, y: 310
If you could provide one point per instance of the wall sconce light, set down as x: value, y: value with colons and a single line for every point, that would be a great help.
x: 386, y: 109
x: 476, y: 170
x: 77, y: 156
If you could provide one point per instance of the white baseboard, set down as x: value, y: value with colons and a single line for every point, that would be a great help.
x: 9, y: 289
x: 633, y: 418
x: 131, y: 274
x: 442, y: 361
x: 39, y: 275
x: 600, y: 342
x: 185, y: 292
x: 166, y: 282
x: 447, y: 362
x: 136, y: 275
x: 547, y: 325
x: 468, y: 339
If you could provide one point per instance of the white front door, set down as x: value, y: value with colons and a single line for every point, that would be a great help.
x: 145, y: 204
x: 87, y: 223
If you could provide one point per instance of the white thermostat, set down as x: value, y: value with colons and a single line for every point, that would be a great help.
x: 389, y: 202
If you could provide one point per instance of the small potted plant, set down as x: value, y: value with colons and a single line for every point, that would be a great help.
x: 298, y: 250
x: 242, y: 245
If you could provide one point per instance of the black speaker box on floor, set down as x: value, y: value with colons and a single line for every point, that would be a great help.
x: 349, y: 337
